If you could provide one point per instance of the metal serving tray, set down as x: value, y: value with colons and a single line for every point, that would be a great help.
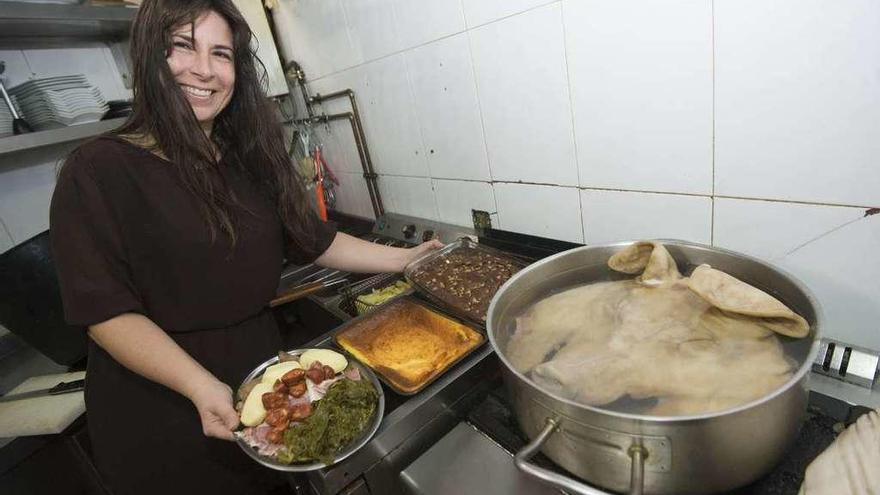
x: 349, y: 303
x: 366, y: 374
x: 463, y: 242
x: 378, y: 374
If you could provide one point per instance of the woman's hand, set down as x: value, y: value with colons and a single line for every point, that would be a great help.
x: 214, y: 403
x: 414, y: 253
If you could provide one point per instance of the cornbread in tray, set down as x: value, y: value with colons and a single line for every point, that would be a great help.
x: 466, y: 279
x: 407, y: 344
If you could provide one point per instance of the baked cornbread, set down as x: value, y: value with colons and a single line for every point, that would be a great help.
x: 407, y: 343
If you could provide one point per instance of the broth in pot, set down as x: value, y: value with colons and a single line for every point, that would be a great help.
x: 660, y: 343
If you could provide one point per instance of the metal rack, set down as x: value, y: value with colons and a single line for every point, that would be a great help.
x: 12, y: 144
x: 40, y: 24
x: 19, y: 20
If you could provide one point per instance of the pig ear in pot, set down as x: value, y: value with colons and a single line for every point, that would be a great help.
x: 651, y: 259
x: 732, y: 295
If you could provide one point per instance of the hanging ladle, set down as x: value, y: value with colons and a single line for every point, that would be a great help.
x: 19, y: 125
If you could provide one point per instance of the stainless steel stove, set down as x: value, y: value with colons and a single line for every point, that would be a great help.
x: 458, y: 435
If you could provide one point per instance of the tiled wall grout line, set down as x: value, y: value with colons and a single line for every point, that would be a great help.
x: 670, y: 193
x: 570, y: 101
x: 712, y: 35
x: 466, y: 29
x: 479, y: 102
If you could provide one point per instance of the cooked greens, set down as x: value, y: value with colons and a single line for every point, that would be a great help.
x: 338, y: 418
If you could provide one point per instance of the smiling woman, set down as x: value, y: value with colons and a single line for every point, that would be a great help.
x: 168, y: 236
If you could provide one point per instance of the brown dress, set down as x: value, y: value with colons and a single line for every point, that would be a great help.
x: 128, y: 237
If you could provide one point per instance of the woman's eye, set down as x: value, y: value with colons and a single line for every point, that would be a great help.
x: 224, y: 55
x: 182, y: 44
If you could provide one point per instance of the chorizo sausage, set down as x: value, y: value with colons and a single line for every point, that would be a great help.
x: 274, y: 400
x: 293, y: 376
x: 277, y: 417
x: 298, y: 390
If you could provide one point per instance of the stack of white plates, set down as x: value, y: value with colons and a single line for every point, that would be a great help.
x: 6, y: 117
x: 61, y: 101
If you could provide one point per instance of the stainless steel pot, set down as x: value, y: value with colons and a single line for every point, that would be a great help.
x: 660, y: 455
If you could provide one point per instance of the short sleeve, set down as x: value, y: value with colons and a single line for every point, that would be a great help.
x: 306, y: 250
x: 88, y: 249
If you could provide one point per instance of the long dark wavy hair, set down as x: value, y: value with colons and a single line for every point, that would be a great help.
x: 246, y: 133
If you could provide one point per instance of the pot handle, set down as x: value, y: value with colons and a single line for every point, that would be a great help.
x: 521, y: 459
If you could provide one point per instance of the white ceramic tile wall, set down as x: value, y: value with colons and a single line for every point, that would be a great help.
x: 427, y: 20
x: 825, y: 247
x: 352, y: 196
x: 523, y: 91
x: 315, y: 33
x: 391, y: 124
x: 797, y: 106
x: 372, y: 27
x: 793, y: 98
x: 456, y: 198
x: 340, y: 150
x: 768, y: 229
x: 348, y: 79
x: 337, y: 137
x: 641, y: 82
x: 615, y: 216
x: 408, y: 195
x: 548, y: 211
x: 479, y: 12
x: 449, y: 113
x: 846, y: 280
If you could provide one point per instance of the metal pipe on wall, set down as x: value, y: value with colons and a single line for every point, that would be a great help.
x: 295, y: 72
x: 319, y: 98
x: 369, y: 175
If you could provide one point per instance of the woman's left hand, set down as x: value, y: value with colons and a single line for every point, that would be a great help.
x: 417, y: 251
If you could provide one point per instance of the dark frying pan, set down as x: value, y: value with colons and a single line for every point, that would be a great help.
x: 30, y: 302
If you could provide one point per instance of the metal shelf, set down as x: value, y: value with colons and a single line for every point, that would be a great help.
x: 20, y: 20
x: 38, y: 139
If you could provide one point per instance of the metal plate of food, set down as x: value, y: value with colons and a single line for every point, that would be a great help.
x: 342, y: 392
x: 408, y: 344
x: 463, y: 276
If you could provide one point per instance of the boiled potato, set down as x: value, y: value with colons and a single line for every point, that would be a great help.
x: 276, y: 371
x: 330, y: 358
x: 253, y: 412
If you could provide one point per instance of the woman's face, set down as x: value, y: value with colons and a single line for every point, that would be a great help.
x: 201, y: 61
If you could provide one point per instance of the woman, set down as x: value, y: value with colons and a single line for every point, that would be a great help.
x: 169, y: 237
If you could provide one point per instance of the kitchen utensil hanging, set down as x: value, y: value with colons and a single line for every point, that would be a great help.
x: 19, y: 125
x: 326, y: 177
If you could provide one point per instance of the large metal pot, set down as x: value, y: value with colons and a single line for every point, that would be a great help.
x: 661, y: 455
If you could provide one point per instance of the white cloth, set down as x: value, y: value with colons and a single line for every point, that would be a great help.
x: 851, y: 464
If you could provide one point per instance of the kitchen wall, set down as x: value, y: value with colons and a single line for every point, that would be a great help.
x: 27, y: 178
x: 745, y: 124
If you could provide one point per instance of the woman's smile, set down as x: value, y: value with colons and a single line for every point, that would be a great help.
x: 199, y: 94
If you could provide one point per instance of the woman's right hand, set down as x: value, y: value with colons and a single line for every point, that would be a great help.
x: 214, y: 403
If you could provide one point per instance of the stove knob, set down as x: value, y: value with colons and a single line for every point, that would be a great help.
x: 427, y: 235
x: 409, y: 231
